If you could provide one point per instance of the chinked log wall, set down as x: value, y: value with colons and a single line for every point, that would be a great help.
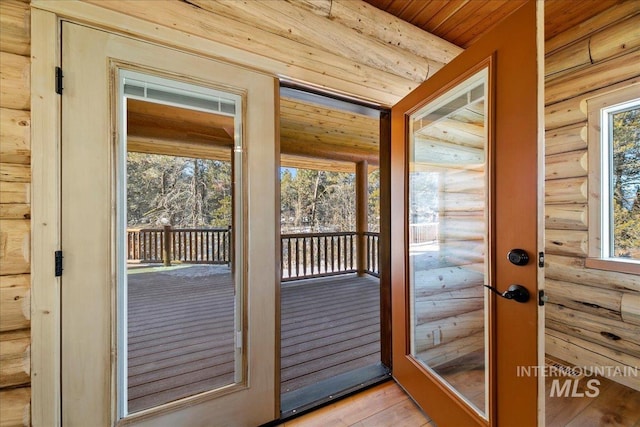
x: 586, y: 318
x: 15, y: 175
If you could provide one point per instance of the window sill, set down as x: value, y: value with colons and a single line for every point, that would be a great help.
x: 620, y: 266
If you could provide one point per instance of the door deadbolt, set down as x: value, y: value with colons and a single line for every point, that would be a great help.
x: 518, y: 257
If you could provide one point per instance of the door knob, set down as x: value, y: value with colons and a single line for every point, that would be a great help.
x: 518, y: 257
x: 517, y: 293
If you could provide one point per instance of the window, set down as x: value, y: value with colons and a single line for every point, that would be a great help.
x: 614, y: 181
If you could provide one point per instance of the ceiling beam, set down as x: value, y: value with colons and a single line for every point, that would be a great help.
x: 178, y: 148
x: 326, y: 151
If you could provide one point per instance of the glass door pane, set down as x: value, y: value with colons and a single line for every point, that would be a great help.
x: 448, y: 238
x: 180, y: 293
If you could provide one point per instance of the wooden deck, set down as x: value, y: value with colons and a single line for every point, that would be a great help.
x: 329, y: 326
x: 181, y: 331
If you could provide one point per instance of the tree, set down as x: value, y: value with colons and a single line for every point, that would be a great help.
x: 626, y: 183
x: 373, y: 215
x: 187, y: 192
x: 314, y: 200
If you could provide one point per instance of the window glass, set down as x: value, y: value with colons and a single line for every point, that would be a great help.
x: 623, y: 181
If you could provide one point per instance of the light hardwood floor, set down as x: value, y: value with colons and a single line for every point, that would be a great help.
x: 383, y: 405
x: 387, y: 405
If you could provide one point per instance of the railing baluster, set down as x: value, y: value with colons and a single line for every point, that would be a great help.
x: 226, y: 246
x: 154, y: 254
x: 311, y: 256
x: 217, y: 242
x: 297, y: 258
x: 289, y: 257
x: 352, y: 251
x: 282, y: 261
x: 369, y: 254
x: 304, y: 256
x: 149, y: 248
x: 202, y: 246
x: 325, y: 254
x: 191, y: 245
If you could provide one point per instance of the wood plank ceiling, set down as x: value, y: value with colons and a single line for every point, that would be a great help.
x: 462, y: 22
x: 312, y: 136
x: 319, y: 137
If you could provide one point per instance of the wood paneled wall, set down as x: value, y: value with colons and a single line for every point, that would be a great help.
x: 585, y: 317
x: 15, y: 177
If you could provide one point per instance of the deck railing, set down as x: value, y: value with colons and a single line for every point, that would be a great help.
x: 372, y: 253
x: 187, y: 245
x: 303, y: 256
x: 423, y: 232
x: 307, y: 255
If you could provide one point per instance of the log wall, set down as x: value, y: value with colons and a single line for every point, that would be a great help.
x: 448, y: 293
x: 322, y: 43
x: 590, y: 316
x: 15, y: 177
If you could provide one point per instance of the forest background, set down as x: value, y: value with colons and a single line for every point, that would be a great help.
x: 196, y: 193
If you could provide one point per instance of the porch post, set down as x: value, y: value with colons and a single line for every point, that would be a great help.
x: 166, y: 246
x: 362, y: 208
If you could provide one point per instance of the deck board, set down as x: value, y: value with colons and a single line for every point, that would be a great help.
x: 180, y: 331
x: 180, y: 334
x: 329, y: 326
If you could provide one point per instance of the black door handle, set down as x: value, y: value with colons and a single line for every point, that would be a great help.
x: 517, y: 293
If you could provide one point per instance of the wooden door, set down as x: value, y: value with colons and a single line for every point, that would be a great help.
x: 108, y: 78
x: 465, y: 166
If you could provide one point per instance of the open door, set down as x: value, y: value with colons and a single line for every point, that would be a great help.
x: 166, y: 321
x: 465, y: 165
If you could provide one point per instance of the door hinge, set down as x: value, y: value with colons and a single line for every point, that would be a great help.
x: 541, y: 259
x: 58, y: 262
x: 59, y: 77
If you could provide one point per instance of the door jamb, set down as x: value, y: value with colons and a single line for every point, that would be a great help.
x: 45, y: 221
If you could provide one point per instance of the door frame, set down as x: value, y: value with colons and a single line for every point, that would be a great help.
x: 46, y: 24
x: 502, y: 56
x: 46, y: 17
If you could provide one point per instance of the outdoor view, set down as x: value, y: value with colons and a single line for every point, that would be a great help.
x: 314, y: 200
x: 185, y: 295
x: 330, y: 325
x: 180, y: 281
x: 626, y: 183
x: 180, y: 191
x: 318, y: 222
x: 181, y: 303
